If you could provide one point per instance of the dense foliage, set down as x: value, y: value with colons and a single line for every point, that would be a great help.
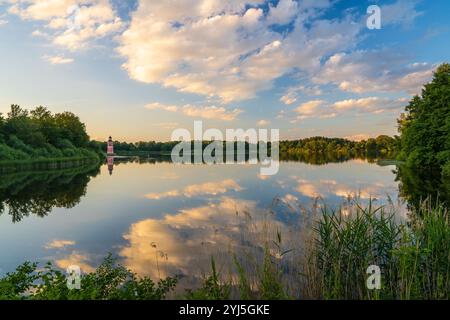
x: 425, y: 125
x: 381, y: 146
x: 39, y: 134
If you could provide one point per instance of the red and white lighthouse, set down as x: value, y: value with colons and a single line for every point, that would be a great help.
x: 110, y: 147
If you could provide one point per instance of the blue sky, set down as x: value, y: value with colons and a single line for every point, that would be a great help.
x: 139, y: 69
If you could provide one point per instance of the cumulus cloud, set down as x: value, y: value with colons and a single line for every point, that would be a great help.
x: 72, y: 24
x: 205, y: 112
x: 233, y: 49
x: 227, y: 49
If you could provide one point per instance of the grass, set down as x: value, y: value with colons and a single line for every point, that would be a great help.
x: 330, y: 263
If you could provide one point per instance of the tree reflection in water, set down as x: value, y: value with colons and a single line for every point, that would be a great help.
x: 415, y: 186
x: 24, y: 194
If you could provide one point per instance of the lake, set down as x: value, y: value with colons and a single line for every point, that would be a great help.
x: 163, y: 219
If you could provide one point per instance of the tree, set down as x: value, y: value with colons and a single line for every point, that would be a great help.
x: 425, y: 125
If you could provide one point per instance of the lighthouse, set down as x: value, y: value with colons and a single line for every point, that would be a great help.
x: 110, y: 147
x: 110, y: 155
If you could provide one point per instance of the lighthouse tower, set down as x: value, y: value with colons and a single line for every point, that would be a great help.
x: 110, y: 147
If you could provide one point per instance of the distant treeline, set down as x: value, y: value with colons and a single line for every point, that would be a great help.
x: 381, y: 146
x: 38, y: 135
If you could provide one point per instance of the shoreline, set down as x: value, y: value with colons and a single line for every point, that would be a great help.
x: 46, y: 164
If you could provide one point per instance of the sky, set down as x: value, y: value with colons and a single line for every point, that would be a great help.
x: 139, y: 69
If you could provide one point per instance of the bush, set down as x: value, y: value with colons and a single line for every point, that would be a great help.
x: 110, y: 281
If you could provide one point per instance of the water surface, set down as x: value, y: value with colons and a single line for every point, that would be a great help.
x: 163, y: 219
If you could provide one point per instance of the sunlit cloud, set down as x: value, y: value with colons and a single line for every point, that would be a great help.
x: 374, y: 71
x: 205, y: 112
x: 228, y: 49
x: 76, y: 259
x: 321, y: 109
x: 58, y: 59
x: 292, y: 94
x: 59, y: 244
x: 263, y: 123
x: 72, y: 24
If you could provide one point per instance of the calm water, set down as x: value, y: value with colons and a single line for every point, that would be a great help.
x: 176, y: 215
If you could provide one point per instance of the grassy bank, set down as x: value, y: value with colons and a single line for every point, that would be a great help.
x: 414, y: 259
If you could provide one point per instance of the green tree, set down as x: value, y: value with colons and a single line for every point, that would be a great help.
x: 425, y: 125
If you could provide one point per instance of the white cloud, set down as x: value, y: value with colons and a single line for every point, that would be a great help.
x: 309, y: 108
x: 324, y: 110
x: 227, y: 49
x: 370, y: 105
x: 402, y: 12
x: 292, y: 93
x: 263, y: 123
x: 283, y: 13
x: 72, y: 24
x: 374, y: 71
x: 39, y: 33
x: 3, y: 22
x: 58, y: 59
x: 205, y: 112
x: 160, y: 106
